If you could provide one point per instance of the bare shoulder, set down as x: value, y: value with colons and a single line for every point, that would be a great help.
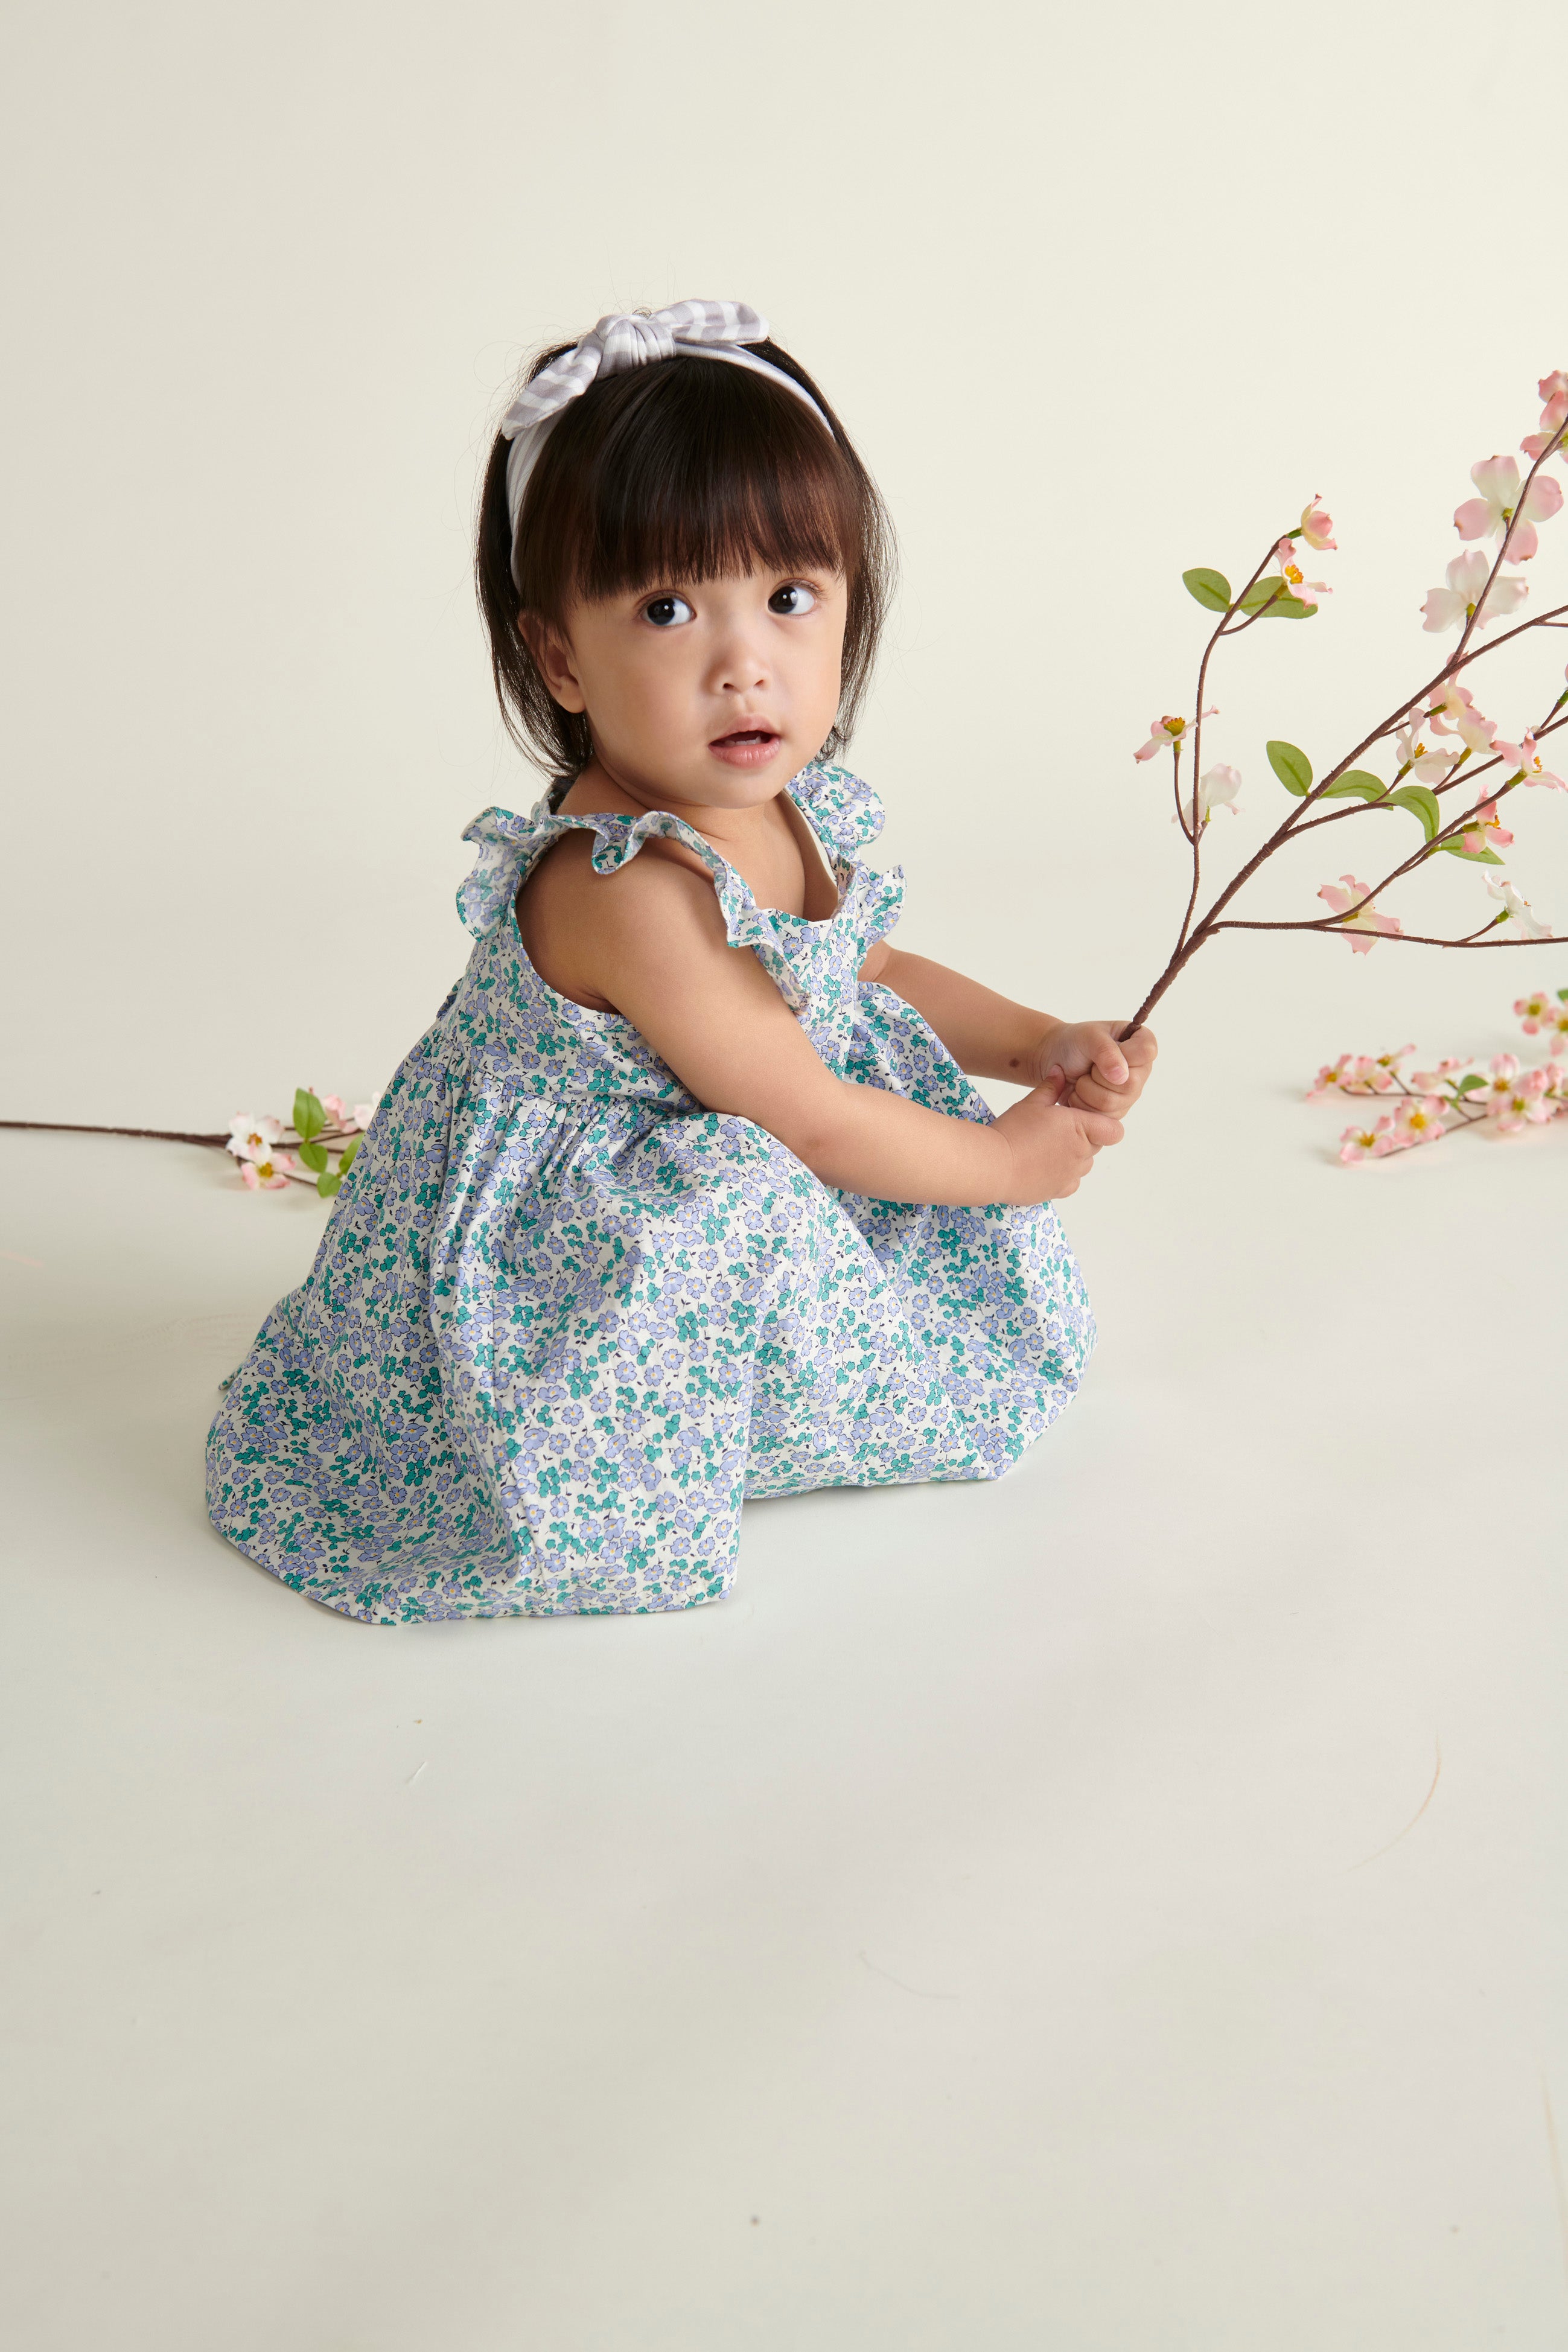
x: 580, y: 927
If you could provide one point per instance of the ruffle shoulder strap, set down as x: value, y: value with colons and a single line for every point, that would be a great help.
x: 510, y: 845
x: 843, y: 811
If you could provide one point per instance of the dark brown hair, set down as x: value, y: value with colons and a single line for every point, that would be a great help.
x: 684, y: 470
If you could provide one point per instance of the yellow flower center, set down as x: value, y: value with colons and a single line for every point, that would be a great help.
x: 1293, y: 574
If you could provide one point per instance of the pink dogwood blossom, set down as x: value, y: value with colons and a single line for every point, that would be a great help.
x: 1329, y: 1077
x: 1367, y: 1142
x: 1419, y: 1121
x: 1218, y: 788
x: 1316, y: 526
x: 268, y: 1175
x: 1555, y: 1025
x: 1525, y: 755
x: 1514, y: 1102
x: 1166, y: 734
x: 1451, y: 608
x: 1305, y: 590
x: 1499, y: 505
x: 252, y: 1138
x: 1554, y: 391
x: 1367, y: 919
x: 1452, y: 711
x: 1533, y: 1009
x: 1428, y: 767
x: 1485, y: 831
x: 1518, y: 910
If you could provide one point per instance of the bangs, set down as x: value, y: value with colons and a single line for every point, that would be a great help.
x: 685, y: 469
x: 696, y: 471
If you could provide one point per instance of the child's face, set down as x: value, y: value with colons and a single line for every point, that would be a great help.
x: 713, y: 693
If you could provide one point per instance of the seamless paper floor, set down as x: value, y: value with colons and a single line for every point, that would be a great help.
x: 1121, y: 1906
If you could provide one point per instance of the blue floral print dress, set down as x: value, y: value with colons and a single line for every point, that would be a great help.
x: 563, y: 1320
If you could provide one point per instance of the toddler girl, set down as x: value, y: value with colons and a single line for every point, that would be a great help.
x: 684, y: 1196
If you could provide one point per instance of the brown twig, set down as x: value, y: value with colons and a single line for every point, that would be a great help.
x: 151, y: 1134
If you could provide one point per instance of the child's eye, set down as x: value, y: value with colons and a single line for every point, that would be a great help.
x: 795, y: 598
x: 668, y: 612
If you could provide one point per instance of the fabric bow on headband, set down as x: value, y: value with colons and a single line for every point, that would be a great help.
x: 714, y: 330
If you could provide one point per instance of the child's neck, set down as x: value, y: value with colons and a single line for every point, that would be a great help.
x: 734, y: 823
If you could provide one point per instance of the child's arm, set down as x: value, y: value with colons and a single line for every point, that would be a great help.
x: 991, y: 1037
x: 649, y: 941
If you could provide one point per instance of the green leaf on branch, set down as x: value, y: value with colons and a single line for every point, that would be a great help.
x: 1270, y: 600
x: 351, y: 1153
x: 1357, y: 785
x: 1470, y: 856
x: 314, y: 1157
x: 1468, y: 1086
x: 1212, y: 589
x: 310, y: 1118
x: 1563, y: 996
x: 1292, y: 767
x: 1422, y: 803
x: 327, y: 1185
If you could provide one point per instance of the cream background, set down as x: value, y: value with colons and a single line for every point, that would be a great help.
x: 984, y: 1897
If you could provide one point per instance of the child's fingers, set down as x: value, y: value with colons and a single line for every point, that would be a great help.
x: 1107, y: 1058
x: 1098, y: 1128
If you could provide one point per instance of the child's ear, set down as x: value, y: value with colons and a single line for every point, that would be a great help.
x: 552, y: 658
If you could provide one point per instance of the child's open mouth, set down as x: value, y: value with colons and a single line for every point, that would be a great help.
x: 746, y: 746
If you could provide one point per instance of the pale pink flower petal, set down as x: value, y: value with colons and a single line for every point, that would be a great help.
x: 1317, y: 525
x: 1450, y: 607
x: 1489, y: 516
x: 1165, y: 733
x: 1365, y: 920
x: 1453, y: 711
x: 252, y: 1138
x: 1329, y: 1077
x: 1485, y: 831
x: 1305, y: 590
x: 1218, y: 788
x: 1428, y: 766
x: 1533, y: 1010
x: 1366, y: 1142
x: 1420, y: 1121
x: 268, y: 1175
x: 1526, y: 756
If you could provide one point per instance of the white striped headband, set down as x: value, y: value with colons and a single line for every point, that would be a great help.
x: 712, y: 331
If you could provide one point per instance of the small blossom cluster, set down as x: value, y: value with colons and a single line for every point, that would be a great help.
x: 318, y: 1148
x: 1429, y: 1104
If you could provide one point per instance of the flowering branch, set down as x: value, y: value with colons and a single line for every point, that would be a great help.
x: 1433, y: 1103
x: 319, y: 1147
x: 1438, y: 730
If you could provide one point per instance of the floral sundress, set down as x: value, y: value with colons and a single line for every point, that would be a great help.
x: 563, y: 1320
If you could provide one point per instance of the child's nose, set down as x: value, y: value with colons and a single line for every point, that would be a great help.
x: 740, y: 666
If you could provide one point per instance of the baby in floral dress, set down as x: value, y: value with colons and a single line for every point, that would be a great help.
x: 684, y: 1195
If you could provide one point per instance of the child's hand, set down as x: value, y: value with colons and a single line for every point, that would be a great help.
x: 1091, y: 1071
x: 1052, y: 1146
